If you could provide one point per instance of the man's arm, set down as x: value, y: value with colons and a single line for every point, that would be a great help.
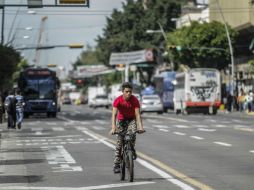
x: 113, y: 127
x: 138, y: 119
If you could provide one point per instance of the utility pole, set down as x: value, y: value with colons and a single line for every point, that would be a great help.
x: 2, y: 28
x: 39, y: 42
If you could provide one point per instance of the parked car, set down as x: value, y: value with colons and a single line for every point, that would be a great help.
x: 100, y: 101
x: 137, y: 96
x: 151, y: 103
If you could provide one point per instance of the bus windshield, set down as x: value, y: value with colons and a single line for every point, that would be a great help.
x: 39, y: 88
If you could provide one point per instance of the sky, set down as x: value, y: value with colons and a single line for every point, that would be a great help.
x: 62, y: 26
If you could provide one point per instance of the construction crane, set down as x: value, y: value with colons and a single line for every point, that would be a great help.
x: 40, y: 41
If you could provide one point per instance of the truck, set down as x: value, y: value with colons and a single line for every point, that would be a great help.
x: 197, y: 91
x: 40, y: 88
x: 94, y: 91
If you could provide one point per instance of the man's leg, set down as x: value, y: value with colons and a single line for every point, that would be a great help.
x: 132, y: 128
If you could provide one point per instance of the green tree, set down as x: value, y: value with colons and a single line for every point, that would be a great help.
x: 126, y: 30
x: 8, y: 65
x: 202, y: 45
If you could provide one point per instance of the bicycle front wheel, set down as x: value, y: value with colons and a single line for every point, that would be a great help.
x: 122, y: 169
x: 130, y: 165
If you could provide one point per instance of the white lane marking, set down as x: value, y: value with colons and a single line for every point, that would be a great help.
x: 222, y: 143
x: 59, y: 156
x: 164, y: 130
x: 207, y: 130
x: 37, y: 129
x: 51, y: 123
x: 58, y: 128
x: 161, y: 126
x: 178, y: 133
x: 220, y: 126
x: 196, y: 137
x: 108, y: 186
x: 182, y: 126
x: 251, y: 151
x: 77, y: 112
x: 38, y: 133
x: 147, y: 165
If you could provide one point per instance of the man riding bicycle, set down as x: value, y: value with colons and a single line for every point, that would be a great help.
x: 125, y: 118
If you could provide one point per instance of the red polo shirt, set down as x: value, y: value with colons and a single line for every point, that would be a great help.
x: 126, y: 109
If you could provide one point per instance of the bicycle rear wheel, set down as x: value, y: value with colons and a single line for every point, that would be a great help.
x: 130, y: 166
x: 122, y: 169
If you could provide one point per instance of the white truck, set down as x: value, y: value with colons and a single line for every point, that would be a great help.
x: 94, y: 91
x: 197, y: 91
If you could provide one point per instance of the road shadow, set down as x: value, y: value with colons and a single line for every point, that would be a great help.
x: 21, y: 162
x: 23, y: 150
x: 21, y: 179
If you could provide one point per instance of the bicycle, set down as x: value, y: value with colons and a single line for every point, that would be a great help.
x: 127, y: 155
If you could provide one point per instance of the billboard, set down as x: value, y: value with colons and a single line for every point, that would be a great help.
x: 131, y: 57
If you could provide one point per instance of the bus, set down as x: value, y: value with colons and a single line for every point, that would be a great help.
x: 40, y: 89
x: 197, y: 91
x: 165, y: 88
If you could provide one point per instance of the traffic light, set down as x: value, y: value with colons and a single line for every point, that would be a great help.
x: 51, y: 65
x: 72, y: 1
x: 72, y: 46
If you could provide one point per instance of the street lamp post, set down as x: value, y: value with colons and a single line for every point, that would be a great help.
x: 230, y: 48
x: 165, y: 38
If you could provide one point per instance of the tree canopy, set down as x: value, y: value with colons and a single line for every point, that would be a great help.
x: 201, y: 45
x: 126, y: 30
x: 8, y: 65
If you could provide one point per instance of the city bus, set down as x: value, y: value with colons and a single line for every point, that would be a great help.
x: 197, y: 90
x: 165, y: 88
x: 40, y: 89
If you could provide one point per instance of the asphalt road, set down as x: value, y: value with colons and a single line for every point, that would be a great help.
x: 75, y: 152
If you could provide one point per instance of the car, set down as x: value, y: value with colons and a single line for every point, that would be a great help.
x: 151, y: 103
x: 137, y: 96
x: 100, y: 101
x: 66, y: 100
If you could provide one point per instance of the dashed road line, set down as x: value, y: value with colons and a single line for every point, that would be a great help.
x: 164, y: 130
x: 178, y: 133
x: 196, y: 137
x: 251, y: 151
x: 207, y: 130
x: 222, y: 144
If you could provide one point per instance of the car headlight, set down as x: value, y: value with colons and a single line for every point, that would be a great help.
x: 53, y: 103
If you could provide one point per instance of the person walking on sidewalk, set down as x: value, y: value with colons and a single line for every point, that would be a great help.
x: 10, y: 107
x: 19, y: 108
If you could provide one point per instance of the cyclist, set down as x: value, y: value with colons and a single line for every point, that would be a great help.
x: 125, y: 117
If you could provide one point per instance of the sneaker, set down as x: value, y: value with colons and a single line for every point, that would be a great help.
x: 116, y: 169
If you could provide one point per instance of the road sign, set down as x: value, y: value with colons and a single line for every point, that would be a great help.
x: 73, y: 1
x: 34, y: 4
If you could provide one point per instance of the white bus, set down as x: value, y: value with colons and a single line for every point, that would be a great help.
x: 197, y: 91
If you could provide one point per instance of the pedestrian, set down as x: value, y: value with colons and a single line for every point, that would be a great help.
x: 19, y: 108
x: 229, y: 102
x: 241, y: 100
x: 10, y: 107
x: 125, y: 118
